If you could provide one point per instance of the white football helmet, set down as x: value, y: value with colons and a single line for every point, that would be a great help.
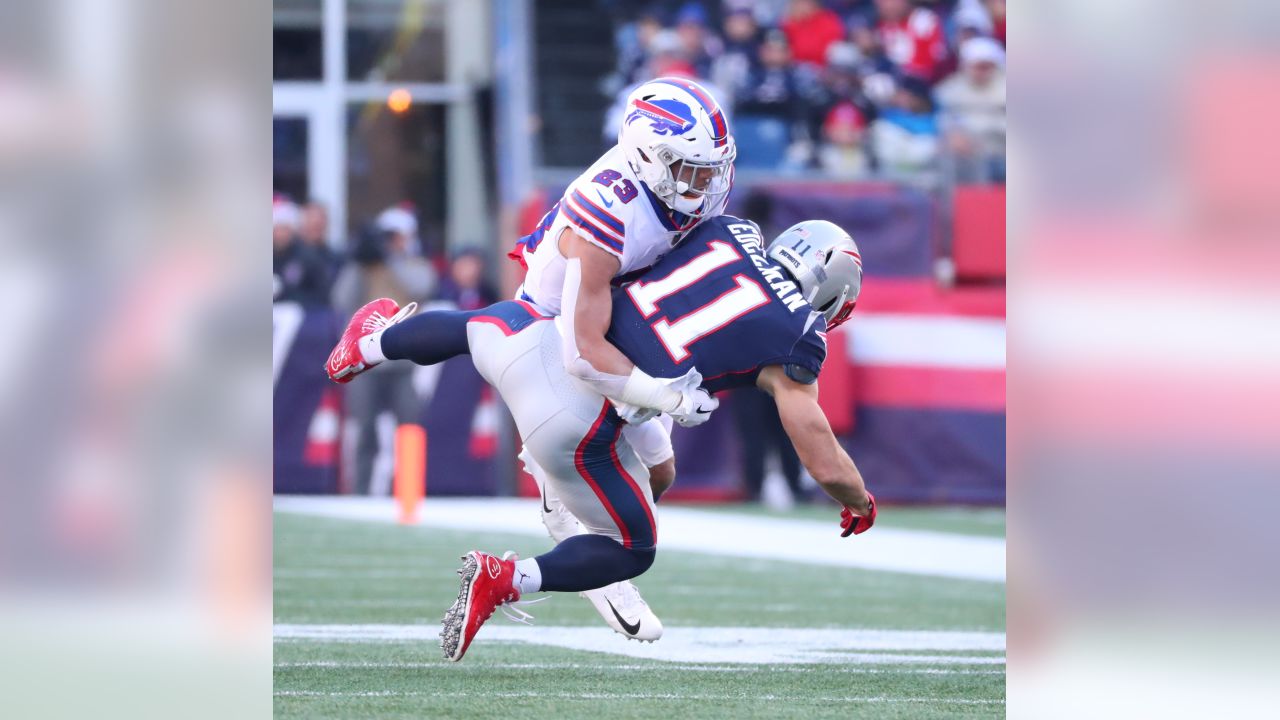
x: 677, y: 141
x: 825, y: 262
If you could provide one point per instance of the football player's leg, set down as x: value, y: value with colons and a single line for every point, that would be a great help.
x: 509, y: 359
x: 614, y: 518
x: 602, y: 482
x: 427, y: 338
x: 560, y: 523
x: 652, y: 442
x: 620, y: 603
x: 434, y: 336
x: 566, y: 427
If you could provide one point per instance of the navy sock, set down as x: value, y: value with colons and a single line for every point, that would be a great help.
x: 587, y: 562
x: 428, y: 337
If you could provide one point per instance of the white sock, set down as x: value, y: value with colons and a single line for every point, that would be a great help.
x: 528, y: 577
x: 371, y: 348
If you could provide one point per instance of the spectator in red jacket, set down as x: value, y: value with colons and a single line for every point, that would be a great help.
x: 810, y: 28
x: 912, y: 38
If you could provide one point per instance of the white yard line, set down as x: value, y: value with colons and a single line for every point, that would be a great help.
x: 665, y: 667
x: 918, y: 552
x: 693, y: 645
x: 631, y: 696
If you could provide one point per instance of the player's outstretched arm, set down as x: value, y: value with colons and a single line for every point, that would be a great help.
x: 817, y: 447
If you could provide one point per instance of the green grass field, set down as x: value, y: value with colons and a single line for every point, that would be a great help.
x: 334, y: 572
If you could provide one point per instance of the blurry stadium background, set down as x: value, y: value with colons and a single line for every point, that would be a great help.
x: 416, y: 140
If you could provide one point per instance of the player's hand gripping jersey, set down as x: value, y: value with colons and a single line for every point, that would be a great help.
x: 719, y: 304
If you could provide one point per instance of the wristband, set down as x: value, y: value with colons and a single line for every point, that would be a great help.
x: 644, y: 390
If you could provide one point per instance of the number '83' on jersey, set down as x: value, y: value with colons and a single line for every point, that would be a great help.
x: 717, y: 303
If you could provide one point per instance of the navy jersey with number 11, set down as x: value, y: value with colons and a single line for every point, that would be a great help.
x: 718, y: 303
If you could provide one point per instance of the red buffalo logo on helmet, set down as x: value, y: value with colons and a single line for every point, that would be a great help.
x: 667, y: 117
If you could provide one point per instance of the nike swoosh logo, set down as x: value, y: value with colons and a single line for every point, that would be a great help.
x: 602, y: 200
x: 631, y: 629
x: 545, y: 509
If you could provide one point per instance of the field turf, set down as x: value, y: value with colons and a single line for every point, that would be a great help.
x: 357, y: 606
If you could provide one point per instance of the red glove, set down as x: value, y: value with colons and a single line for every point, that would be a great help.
x: 858, y: 524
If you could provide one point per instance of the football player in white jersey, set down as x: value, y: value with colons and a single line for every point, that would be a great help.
x: 671, y: 169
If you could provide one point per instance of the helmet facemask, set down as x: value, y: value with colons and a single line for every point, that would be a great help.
x: 699, y: 186
x: 838, y: 309
x: 694, y: 187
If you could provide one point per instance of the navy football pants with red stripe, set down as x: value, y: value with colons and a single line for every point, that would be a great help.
x: 576, y: 438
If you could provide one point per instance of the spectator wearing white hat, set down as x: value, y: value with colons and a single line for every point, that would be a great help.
x: 972, y: 112
x: 301, y: 273
x: 386, y: 262
x: 284, y: 221
x: 843, y: 154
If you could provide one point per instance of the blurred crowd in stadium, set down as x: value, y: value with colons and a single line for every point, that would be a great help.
x: 907, y: 89
x: 890, y: 113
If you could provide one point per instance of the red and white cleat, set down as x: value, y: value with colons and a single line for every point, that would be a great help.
x: 486, y: 584
x: 346, y: 361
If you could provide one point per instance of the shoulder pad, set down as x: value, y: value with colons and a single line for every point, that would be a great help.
x: 598, y: 208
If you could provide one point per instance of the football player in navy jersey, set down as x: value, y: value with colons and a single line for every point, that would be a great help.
x: 721, y: 303
x: 671, y: 169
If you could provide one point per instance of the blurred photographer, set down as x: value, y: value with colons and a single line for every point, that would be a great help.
x: 386, y: 261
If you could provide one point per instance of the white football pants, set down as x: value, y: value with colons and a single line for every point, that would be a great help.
x: 583, y: 449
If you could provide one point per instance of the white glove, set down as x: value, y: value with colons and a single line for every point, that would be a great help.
x: 696, y: 404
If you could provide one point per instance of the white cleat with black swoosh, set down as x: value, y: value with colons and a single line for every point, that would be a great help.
x: 625, y: 611
x: 619, y: 604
